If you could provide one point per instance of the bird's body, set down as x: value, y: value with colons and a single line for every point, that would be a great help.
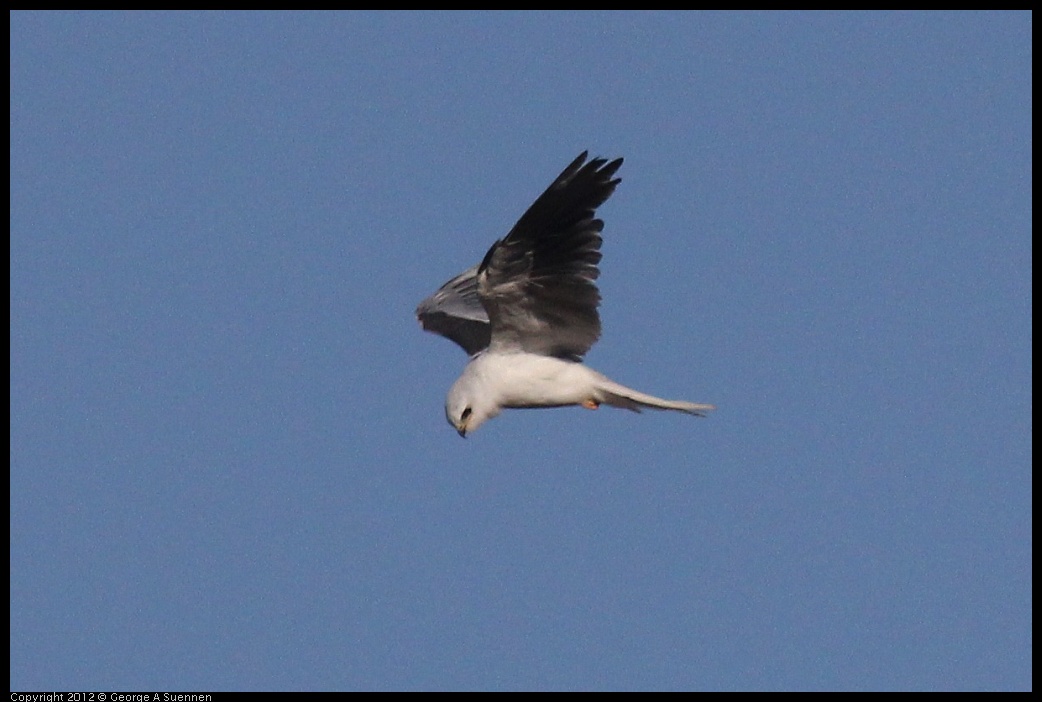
x: 519, y: 380
x: 492, y: 382
x: 528, y: 312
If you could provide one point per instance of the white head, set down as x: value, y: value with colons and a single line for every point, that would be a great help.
x: 466, y: 407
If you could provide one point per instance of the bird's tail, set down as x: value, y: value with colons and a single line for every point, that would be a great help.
x: 616, y: 395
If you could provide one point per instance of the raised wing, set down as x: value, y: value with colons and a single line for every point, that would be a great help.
x: 537, y: 283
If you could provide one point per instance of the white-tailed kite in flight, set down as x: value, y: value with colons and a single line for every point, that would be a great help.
x: 528, y: 312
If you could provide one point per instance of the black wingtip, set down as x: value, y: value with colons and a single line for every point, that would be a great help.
x: 602, y: 167
x: 572, y: 168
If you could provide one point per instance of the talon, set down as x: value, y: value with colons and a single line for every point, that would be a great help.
x: 591, y: 404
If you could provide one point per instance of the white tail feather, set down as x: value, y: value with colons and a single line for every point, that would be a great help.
x: 616, y: 395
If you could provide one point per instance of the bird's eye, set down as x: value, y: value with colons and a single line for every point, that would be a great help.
x: 466, y: 413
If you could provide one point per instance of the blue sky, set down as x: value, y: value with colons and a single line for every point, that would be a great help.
x: 230, y: 467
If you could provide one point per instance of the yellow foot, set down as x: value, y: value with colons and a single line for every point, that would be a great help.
x: 591, y: 404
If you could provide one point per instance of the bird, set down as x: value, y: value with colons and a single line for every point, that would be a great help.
x: 527, y: 314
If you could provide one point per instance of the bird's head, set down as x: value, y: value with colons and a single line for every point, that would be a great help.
x: 466, y: 409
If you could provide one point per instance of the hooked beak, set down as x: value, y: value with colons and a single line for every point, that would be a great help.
x: 462, y: 431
